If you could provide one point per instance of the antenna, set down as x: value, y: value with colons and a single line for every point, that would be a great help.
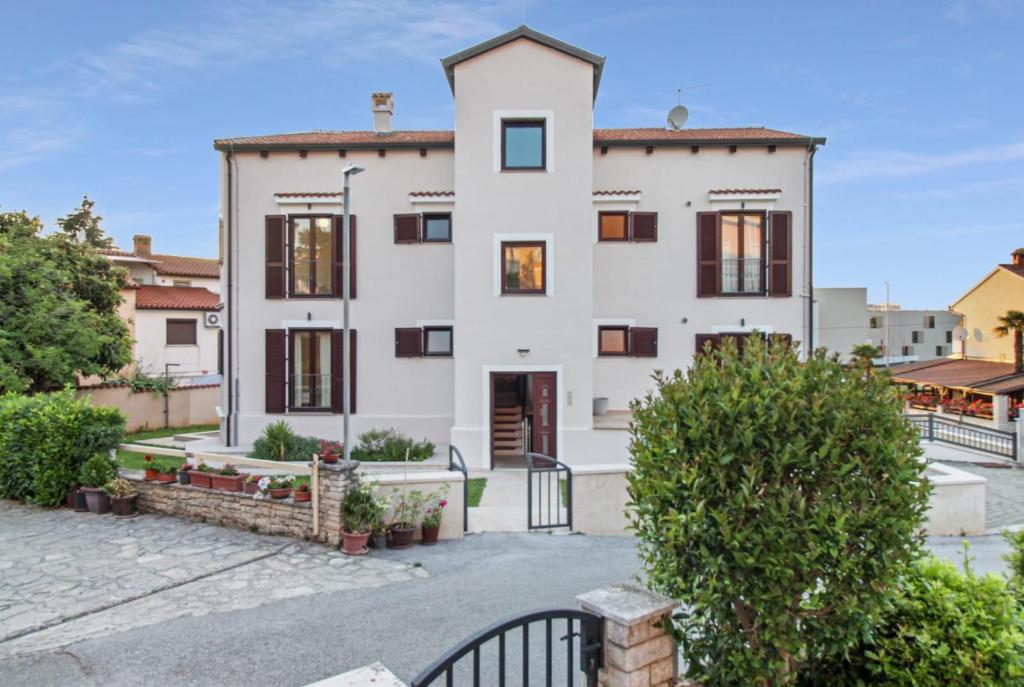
x: 678, y: 115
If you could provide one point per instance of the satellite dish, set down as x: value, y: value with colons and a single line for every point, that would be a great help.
x: 959, y: 333
x: 677, y: 117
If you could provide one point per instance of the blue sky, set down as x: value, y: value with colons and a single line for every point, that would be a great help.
x: 921, y: 102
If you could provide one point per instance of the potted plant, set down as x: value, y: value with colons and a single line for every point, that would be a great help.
x: 80, y: 503
x: 123, y: 497
x: 152, y: 469
x: 226, y: 479
x: 96, y: 472
x: 301, y: 493
x: 379, y: 539
x: 359, y: 510
x: 330, y: 451
x: 403, y: 525
x: 167, y: 475
x: 183, y: 470
x: 251, y: 484
x: 200, y: 477
x: 433, y: 510
x: 280, y: 486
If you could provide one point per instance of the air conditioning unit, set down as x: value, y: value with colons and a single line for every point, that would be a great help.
x: 212, y: 319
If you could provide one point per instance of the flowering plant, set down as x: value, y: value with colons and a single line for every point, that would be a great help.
x: 330, y: 448
x: 433, y: 507
x: 186, y: 466
x: 277, y: 482
x: 203, y: 467
x: 229, y: 470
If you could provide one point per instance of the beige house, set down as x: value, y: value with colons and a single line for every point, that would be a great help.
x: 510, y: 276
x: 1000, y: 290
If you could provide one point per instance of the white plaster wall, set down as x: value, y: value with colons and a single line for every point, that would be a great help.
x: 523, y: 77
x: 957, y: 503
x: 902, y: 324
x: 841, y: 319
x: 396, y: 286
x: 196, y: 282
x: 152, y: 350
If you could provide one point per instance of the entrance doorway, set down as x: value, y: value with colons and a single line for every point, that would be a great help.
x: 523, y: 417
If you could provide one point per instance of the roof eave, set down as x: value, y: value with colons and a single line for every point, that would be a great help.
x: 793, y: 142
x: 228, y: 146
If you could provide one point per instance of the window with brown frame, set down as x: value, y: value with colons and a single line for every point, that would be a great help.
x: 309, y: 369
x: 524, y: 144
x: 181, y: 332
x: 744, y: 254
x: 523, y: 267
x: 312, y: 255
x: 424, y: 342
x: 627, y: 226
x: 743, y: 241
x: 434, y: 227
x: 438, y: 341
x: 621, y: 340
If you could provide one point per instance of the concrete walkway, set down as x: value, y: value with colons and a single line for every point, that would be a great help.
x: 503, y: 504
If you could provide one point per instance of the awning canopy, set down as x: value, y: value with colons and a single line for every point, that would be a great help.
x: 966, y: 375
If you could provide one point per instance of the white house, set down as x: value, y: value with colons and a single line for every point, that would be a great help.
x: 509, y: 272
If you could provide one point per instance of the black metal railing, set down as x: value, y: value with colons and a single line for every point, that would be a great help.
x: 488, y: 664
x: 945, y: 430
x: 547, y: 507
x: 455, y: 454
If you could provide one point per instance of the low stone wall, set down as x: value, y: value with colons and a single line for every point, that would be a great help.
x: 599, y: 498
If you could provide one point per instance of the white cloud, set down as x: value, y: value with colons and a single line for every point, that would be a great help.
x: 27, y: 145
x: 895, y: 163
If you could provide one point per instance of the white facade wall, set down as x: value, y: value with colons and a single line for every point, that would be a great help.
x: 195, y: 282
x: 841, y: 319
x: 152, y: 351
x: 903, y: 324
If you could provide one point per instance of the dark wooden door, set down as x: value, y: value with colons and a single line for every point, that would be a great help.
x: 545, y: 420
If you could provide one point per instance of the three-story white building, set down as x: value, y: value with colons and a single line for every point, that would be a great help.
x: 508, y: 273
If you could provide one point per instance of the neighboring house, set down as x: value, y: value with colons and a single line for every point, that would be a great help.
x: 502, y: 284
x: 174, y: 307
x: 1000, y: 290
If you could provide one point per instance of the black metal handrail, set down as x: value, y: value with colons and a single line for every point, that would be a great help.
x: 453, y: 455
x: 591, y: 653
x: 540, y: 465
x: 946, y: 430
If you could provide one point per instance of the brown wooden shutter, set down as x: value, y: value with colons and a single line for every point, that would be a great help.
x: 338, y: 230
x: 337, y: 377
x: 408, y: 228
x: 702, y: 339
x: 780, y: 270
x: 275, y: 356
x: 643, y: 342
x: 709, y: 252
x: 644, y: 226
x: 408, y: 342
x: 275, y: 252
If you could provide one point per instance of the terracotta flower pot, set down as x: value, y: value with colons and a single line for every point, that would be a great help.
x: 400, y: 537
x: 329, y: 457
x: 226, y: 482
x: 124, y: 508
x: 97, y: 500
x: 184, y: 477
x: 251, y: 487
x: 166, y: 478
x: 430, y: 534
x: 354, y: 544
x: 199, y: 479
x: 80, y: 504
x: 302, y: 496
x: 151, y: 474
x: 280, y: 493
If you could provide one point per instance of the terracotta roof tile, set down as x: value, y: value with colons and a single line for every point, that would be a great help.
x: 184, y: 266
x: 431, y: 194
x: 980, y: 375
x: 723, y: 191
x: 615, y: 193
x: 340, y: 138
x: 149, y: 297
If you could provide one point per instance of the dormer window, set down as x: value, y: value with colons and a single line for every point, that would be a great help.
x: 523, y: 143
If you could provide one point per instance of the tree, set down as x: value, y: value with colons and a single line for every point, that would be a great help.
x: 863, y: 355
x: 1013, y: 323
x: 777, y: 500
x: 82, y: 226
x: 58, y: 308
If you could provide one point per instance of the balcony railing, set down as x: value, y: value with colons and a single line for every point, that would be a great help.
x: 311, y: 391
x: 742, y: 275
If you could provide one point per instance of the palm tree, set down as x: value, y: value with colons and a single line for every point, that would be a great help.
x: 1013, y: 322
x: 863, y: 355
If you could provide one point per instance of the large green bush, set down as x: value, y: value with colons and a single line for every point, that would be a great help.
x: 46, y: 438
x: 280, y: 442
x: 379, y: 445
x: 777, y: 500
x: 941, y: 628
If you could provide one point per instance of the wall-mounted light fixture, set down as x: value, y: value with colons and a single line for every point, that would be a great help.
x: 523, y: 352
x: 684, y: 320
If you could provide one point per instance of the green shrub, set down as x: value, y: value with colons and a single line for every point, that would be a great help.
x: 46, y: 438
x: 97, y: 471
x: 1015, y: 560
x: 280, y: 442
x: 940, y: 628
x: 777, y: 500
x: 378, y: 445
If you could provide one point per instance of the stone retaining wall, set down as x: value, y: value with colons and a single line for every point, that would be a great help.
x: 243, y: 511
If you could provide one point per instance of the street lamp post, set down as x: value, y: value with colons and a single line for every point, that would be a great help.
x: 346, y: 337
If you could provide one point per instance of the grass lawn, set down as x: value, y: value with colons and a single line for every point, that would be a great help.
x: 136, y: 437
x: 475, y: 491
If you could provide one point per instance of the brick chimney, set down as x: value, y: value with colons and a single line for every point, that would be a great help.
x: 1018, y: 256
x: 383, y: 105
x: 143, y: 245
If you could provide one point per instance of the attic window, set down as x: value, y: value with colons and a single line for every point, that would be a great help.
x: 523, y: 144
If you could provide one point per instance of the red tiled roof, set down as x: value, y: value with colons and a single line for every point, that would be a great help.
x: 412, y: 139
x: 1016, y: 269
x: 615, y: 193
x: 184, y: 266
x: 720, y: 191
x: 977, y: 375
x: 309, y: 194
x: 149, y: 297
x: 431, y: 194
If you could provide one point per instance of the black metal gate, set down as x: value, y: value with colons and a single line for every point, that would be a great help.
x: 548, y: 493
x: 454, y: 455
x: 948, y: 431
x: 506, y: 647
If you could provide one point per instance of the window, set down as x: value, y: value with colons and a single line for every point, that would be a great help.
x: 620, y: 340
x: 929, y: 321
x: 742, y: 253
x: 310, y: 370
x: 437, y: 341
x: 873, y: 323
x: 908, y: 350
x: 429, y: 228
x: 916, y: 336
x: 949, y: 336
x: 181, y: 282
x: 181, y: 332
x: 940, y: 350
x: 312, y: 256
x: 522, y: 267
x: 437, y: 228
x: 523, y: 143
x: 740, y: 339
x: 627, y: 226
